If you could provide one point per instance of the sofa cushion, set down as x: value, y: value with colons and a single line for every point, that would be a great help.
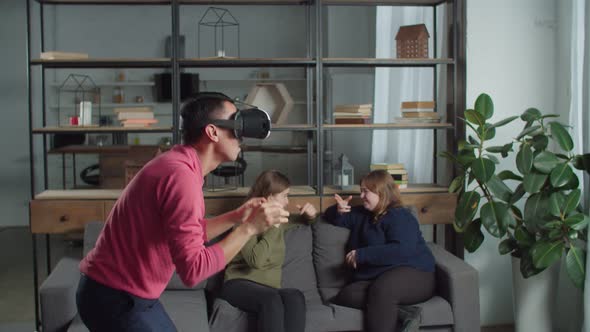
x: 329, y: 250
x: 436, y: 312
x: 298, y: 270
x: 186, y: 308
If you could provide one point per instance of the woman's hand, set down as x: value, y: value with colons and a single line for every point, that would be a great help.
x: 307, y: 210
x: 343, y: 204
x: 244, y: 212
x: 351, y: 258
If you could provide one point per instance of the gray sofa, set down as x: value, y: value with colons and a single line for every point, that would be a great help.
x: 313, y: 264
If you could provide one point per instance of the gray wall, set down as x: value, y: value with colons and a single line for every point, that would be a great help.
x: 14, y: 143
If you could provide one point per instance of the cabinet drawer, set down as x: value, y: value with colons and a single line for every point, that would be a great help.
x: 64, y: 216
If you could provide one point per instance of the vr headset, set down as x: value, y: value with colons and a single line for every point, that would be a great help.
x: 251, y: 122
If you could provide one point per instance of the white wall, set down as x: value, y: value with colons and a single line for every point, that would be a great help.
x: 14, y: 143
x: 511, y: 52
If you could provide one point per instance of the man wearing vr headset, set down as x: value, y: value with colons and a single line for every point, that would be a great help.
x: 158, y: 225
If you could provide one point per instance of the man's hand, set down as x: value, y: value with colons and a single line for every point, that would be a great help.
x: 307, y: 210
x: 264, y: 216
x: 351, y: 258
x: 343, y: 204
x: 245, y: 210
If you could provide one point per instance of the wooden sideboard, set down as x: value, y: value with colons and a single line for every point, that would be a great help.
x: 65, y: 211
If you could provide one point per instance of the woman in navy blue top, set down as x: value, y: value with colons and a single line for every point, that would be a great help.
x: 392, y: 264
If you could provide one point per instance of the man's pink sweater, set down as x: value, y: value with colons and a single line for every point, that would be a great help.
x: 156, y: 226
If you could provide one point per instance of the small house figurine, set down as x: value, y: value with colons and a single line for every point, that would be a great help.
x: 412, y: 41
x: 343, y: 173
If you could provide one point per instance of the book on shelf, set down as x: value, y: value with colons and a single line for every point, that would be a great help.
x: 410, y: 110
x: 365, y: 109
x: 350, y: 115
x: 385, y: 166
x: 361, y: 120
x: 56, y: 55
x: 135, y: 115
x: 418, y: 104
x: 416, y: 120
x: 431, y: 115
x: 132, y: 109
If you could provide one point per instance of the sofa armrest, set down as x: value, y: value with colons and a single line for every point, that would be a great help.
x: 58, y: 295
x: 457, y: 282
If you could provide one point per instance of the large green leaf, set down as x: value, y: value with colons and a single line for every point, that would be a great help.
x: 496, y: 218
x: 572, y: 201
x: 507, y: 246
x: 474, y: 117
x: 573, y: 184
x: 509, y: 175
x: 528, y: 131
x: 483, y: 169
x: 546, y: 253
x: 473, y: 237
x: 499, y: 189
x: 484, y: 106
x: 524, y: 159
x: 533, y: 182
x: 457, y: 184
x: 466, y: 157
x: 535, y: 210
x: 486, y: 131
x: 561, y: 175
x: 493, y: 158
x: 466, y: 208
x: 540, y: 142
x: 518, y: 193
x: 561, y: 136
x: 577, y: 222
x: 523, y: 237
x: 527, y: 268
x: 504, y: 122
x: 556, y: 203
x: 575, y: 263
x: 582, y: 162
x: 530, y: 115
x: 545, y: 162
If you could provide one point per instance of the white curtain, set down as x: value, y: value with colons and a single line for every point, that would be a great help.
x: 575, y: 61
x: 413, y: 148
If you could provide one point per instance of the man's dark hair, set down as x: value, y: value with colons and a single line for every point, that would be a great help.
x: 198, y: 111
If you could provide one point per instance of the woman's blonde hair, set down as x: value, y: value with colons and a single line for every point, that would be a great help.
x: 381, y: 183
x: 270, y: 182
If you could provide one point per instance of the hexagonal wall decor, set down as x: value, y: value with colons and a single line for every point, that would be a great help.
x: 273, y: 98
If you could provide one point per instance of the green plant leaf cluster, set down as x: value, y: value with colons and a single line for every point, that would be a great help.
x: 552, y: 223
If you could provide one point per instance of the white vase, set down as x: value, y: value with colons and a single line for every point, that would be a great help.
x: 534, y: 298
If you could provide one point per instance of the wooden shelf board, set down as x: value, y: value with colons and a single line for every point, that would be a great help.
x: 81, y: 129
x: 113, y: 194
x: 246, y: 62
x: 384, y: 2
x: 413, y: 188
x: 390, y: 126
x: 386, y: 62
x: 293, y: 127
x: 104, y: 63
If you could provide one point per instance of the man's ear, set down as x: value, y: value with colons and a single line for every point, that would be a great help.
x: 212, y: 133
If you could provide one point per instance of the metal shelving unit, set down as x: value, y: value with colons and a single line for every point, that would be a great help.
x: 314, y: 63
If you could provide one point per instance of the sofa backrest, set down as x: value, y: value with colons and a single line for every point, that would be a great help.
x: 298, y: 269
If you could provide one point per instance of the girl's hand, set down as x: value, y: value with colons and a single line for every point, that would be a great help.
x: 351, y: 258
x: 307, y: 210
x: 343, y: 204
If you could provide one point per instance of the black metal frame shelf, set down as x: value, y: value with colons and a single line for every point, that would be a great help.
x: 313, y: 62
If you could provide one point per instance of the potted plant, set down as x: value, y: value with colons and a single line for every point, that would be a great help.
x: 552, y: 222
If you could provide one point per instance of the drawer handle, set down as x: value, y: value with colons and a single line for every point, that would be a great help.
x: 63, y: 218
x: 423, y: 210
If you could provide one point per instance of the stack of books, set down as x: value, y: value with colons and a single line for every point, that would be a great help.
x: 397, y: 171
x: 353, y: 114
x: 418, y: 112
x: 135, y: 117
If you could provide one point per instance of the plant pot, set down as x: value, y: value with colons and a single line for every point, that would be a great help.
x: 534, y: 298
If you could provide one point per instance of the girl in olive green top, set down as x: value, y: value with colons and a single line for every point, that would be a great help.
x: 253, y: 277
